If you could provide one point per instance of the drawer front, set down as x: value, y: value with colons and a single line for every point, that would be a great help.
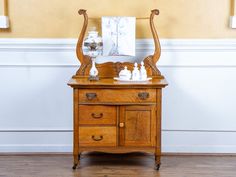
x: 97, y: 136
x: 94, y: 115
x: 117, y: 96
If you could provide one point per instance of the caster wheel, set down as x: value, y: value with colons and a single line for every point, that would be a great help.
x: 158, y: 166
x: 74, y: 166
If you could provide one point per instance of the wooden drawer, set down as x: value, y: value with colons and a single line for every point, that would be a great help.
x: 97, y: 136
x: 117, y: 96
x: 103, y: 115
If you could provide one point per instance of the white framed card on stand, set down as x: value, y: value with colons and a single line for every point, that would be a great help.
x: 118, y: 35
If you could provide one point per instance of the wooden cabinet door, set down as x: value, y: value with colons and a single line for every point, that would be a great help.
x: 137, y: 125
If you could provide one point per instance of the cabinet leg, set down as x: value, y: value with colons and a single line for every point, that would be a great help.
x: 76, y: 161
x: 157, y: 162
x: 74, y: 166
x: 158, y: 166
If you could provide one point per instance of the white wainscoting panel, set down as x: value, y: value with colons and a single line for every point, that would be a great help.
x: 198, y: 105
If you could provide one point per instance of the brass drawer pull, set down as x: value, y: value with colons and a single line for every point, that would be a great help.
x: 97, y: 138
x: 143, y: 95
x: 97, y: 116
x: 91, y: 96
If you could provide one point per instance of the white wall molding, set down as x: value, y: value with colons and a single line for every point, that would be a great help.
x: 175, y: 52
x: 192, y: 45
x: 37, y: 45
x: 44, y: 44
x: 198, y: 104
x: 70, y: 130
x: 19, y: 148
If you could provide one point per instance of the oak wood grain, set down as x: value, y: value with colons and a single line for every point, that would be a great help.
x: 97, y: 136
x: 119, y: 149
x: 97, y: 114
x: 158, y: 127
x: 139, y: 125
x: 116, y: 96
x: 76, y: 126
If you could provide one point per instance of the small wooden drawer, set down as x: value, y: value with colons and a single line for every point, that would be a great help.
x: 117, y: 96
x: 94, y: 115
x: 97, y: 136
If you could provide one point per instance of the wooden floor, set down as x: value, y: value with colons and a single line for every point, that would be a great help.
x: 108, y: 165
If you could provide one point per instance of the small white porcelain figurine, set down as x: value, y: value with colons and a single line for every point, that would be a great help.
x: 93, y: 71
x: 125, y: 74
x: 135, y: 73
x: 143, y: 72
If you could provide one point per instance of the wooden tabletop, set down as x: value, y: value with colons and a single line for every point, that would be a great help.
x: 83, y: 82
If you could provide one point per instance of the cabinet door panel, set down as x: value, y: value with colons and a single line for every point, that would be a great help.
x: 139, y: 126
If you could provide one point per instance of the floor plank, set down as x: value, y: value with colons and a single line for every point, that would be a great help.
x: 116, y: 165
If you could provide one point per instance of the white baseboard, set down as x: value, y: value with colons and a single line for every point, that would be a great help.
x: 35, y: 148
x: 172, y: 142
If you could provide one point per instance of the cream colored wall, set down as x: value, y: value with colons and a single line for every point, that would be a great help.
x: 178, y: 18
x: 1, y: 7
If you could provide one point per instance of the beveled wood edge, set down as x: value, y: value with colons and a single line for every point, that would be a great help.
x: 117, y: 104
x: 117, y: 84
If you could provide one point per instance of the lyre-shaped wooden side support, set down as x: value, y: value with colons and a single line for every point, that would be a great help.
x: 85, y: 61
x: 110, y: 69
x: 157, y: 52
x: 152, y: 59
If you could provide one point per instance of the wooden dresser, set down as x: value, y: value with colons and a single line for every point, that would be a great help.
x: 113, y: 116
x: 117, y: 117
